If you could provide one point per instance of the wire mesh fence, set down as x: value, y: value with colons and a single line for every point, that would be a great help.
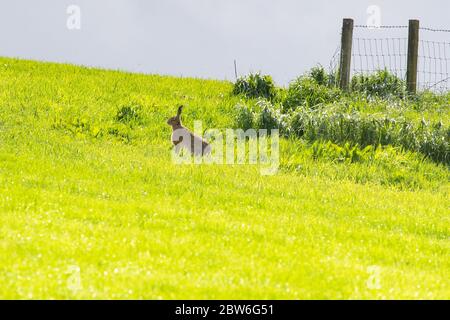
x: 386, y: 48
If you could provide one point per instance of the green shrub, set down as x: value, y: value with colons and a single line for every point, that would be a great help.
x: 319, y: 75
x: 255, y: 85
x: 306, y: 92
x: 380, y: 84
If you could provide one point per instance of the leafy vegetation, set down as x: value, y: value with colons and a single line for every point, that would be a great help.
x: 380, y: 84
x: 315, y: 111
x: 305, y: 92
x: 255, y: 85
x: 88, y: 188
x: 310, y: 90
x: 432, y: 140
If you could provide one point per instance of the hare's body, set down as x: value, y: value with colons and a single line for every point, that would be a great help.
x: 183, y: 138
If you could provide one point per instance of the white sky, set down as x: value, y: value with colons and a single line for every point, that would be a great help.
x: 198, y: 38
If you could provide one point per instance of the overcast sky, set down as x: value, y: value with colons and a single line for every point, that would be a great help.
x: 198, y: 38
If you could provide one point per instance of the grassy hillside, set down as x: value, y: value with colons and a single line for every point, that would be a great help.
x: 83, y: 192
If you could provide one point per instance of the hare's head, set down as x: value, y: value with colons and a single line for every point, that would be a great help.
x: 176, y: 120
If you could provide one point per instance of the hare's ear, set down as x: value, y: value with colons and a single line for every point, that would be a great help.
x: 180, y: 108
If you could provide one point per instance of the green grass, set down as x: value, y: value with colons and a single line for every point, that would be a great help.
x: 80, y: 188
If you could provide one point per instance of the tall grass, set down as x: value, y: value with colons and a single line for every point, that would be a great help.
x: 384, y: 165
x: 430, y: 139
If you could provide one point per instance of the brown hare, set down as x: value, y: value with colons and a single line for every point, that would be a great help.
x: 184, y: 138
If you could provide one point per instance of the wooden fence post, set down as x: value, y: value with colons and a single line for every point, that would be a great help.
x: 413, y: 52
x: 346, y: 54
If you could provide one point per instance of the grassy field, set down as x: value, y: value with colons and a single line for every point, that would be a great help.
x: 92, y: 207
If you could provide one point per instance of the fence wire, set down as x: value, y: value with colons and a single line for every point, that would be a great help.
x: 334, y: 66
x: 371, y: 54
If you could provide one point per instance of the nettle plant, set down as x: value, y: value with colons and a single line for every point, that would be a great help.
x: 381, y: 84
x: 255, y: 85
